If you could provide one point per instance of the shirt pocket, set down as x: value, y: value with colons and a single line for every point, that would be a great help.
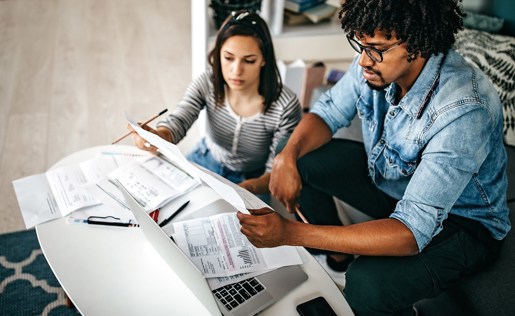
x: 365, y: 112
x: 395, y: 165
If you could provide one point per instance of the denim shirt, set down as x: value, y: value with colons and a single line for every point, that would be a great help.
x: 438, y: 151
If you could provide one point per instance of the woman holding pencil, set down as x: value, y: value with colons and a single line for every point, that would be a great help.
x: 249, y: 111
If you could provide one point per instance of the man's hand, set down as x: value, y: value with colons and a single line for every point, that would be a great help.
x: 265, y: 228
x: 285, y: 182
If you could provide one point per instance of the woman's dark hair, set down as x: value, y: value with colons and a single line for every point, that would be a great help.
x: 427, y: 26
x: 245, y: 23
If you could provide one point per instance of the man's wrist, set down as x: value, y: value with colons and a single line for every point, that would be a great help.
x: 285, y: 158
x: 293, y: 236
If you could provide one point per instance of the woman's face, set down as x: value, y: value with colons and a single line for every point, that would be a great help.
x: 241, y: 61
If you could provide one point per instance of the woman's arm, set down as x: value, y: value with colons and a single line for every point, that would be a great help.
x: 257, y: 185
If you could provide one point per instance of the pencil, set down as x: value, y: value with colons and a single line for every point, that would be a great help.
x: 301, y: 215
x: 144, y: 123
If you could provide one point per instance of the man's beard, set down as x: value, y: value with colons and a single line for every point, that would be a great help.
x: 383, y: 85
x: 376, y: 87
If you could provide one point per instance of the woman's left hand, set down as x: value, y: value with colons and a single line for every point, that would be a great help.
x: 257, y: 185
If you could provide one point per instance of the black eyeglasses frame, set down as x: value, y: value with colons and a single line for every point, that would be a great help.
x: 359, y: 48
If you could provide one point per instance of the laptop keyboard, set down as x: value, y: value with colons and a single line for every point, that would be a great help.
x: 233, y: 295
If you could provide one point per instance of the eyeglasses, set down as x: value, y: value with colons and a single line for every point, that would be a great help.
x: 374, y: 54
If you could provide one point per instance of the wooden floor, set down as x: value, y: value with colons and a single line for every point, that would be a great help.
x: 68, y: 71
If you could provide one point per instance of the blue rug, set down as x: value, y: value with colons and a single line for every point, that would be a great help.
x: 27, y: 284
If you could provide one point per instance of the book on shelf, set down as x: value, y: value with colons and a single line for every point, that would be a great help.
x: 320, y: 12
x: 301, y: 5
x: 293, y: 18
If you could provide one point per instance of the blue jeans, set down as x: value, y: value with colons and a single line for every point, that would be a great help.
x: 202, y: 156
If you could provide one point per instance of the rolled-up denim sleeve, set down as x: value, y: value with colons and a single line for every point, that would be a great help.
x: 337, y: 106
x: 447, y: 166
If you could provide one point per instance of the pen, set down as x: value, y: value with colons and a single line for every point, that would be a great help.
x: 104, y: 223
x: 144, y: 123
x: 166, y: 221
x: 93, y: 222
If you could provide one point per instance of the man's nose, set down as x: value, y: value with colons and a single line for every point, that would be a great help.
x: 365, y: 60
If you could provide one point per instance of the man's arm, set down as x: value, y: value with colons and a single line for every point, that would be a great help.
x: 311, y: 133
x: 383, y: 237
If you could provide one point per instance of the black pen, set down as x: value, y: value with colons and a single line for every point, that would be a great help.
x: 166, y: 221
x: 94, y: 222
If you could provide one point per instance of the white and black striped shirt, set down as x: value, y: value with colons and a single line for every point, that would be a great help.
x: 240, y: 143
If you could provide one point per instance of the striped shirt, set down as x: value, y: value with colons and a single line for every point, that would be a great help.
x: 240, y: 143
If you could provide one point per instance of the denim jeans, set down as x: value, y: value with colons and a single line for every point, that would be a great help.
x: 387, y: 285
x: 202, y: 156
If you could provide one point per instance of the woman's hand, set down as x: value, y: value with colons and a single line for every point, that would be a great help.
x: 141, y: 143
x: 257, y: 185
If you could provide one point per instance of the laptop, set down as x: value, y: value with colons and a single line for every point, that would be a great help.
x: 243, y: 298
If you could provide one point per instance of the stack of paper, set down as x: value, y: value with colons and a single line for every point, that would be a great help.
x: 60, y: 191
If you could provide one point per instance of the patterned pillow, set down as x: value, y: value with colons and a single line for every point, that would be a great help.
x: 495, y: 55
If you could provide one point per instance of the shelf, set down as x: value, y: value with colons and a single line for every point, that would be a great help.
x: 324, y: 41
x: 329, y: 27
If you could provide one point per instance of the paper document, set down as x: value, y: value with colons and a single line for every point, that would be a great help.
x: 154, y: 181
x: 218, y: 248
x: 60, y: 191
x: 67, y: 184
x: 172, y: 152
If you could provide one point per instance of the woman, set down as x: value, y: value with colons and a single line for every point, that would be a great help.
x: 248, y: 109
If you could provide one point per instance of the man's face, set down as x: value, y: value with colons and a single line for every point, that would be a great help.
x: 394, y: 66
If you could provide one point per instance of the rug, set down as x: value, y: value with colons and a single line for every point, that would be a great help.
x: 27, y: 284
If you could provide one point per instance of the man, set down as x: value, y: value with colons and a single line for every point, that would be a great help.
x: 431, y: 170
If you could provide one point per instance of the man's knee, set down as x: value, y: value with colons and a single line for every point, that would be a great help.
x: 362, y: 287
x: 371, y: 290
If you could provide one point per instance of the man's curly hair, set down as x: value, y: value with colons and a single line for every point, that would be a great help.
x: 427, y: 26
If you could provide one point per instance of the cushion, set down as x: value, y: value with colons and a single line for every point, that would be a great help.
x: 483, y: 22
x: 494, y: 54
